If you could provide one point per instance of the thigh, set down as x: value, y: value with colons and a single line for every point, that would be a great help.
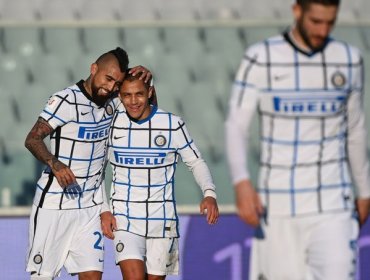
x: 278, y: 251
x: 162, y: 256
x: 50, y: 235
x: 86, y: 253
x: 129, y: 246
x: 332, y: 250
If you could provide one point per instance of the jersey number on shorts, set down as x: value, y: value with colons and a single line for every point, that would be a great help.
x: 97, y: 244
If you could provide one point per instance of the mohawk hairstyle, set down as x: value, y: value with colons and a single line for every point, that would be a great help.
x: 121, y: 56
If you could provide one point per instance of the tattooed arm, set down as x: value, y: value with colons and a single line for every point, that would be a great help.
x: 35, y: 144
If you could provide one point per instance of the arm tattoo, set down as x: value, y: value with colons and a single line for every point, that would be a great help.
x: 35, y: 142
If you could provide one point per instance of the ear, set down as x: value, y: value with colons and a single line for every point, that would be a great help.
x: 297, y: 11
x: 93, y: 68
x: 119, y: 97
x: 151, y: 89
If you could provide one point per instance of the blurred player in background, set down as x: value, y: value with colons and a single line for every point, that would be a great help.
x: 65, y: 226
x: 308, y: 91
x: 145, y: 144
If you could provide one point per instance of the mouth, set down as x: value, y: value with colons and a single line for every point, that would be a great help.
x: 134, y: 108
x: 103, y: 92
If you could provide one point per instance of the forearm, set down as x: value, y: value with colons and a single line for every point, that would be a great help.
x: 203, y: 178
x: 359, y: 164
x: 357, y: 146
x: 36, y: 145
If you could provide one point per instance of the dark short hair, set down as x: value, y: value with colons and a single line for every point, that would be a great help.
x: 129, y: 77
x: 121, y: 56
x: 306, y: 3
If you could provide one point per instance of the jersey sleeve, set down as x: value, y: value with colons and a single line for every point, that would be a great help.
x: 242, y: 107
x: 191, y: 156
x: 357, y: 136
x: 58, y: 110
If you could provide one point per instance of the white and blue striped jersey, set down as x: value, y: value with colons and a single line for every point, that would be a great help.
x: 144, y: 155
x: 312, y: 126
x: 79, y: 140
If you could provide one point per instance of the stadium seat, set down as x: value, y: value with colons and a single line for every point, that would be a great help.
x: 32, y: 101
x: 81, y: 66
x: 14, y: 175
x: 23, y: 42
x: 173, y: 71
x: 51, y: 71
x: 351, y: 34
x: 97, y: 40
x: 175, y: 10
x: 142, y: 11
x: 19, y: 11
x: 143, y: 39
x: 14, y: 74
x: 64, y: 42
x: 254, y: 34
x: 168, y: 97
x: 59, y: 10
x: 183, y: 40
x: 98, y: 11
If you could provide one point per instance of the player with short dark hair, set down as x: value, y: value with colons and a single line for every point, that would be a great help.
x: 314, y: 172
x: 145, y: 144
x: 65, y: 227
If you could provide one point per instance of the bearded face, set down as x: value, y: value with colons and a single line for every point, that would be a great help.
x: 314, y: 24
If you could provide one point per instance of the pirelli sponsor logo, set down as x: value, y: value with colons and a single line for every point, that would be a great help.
x: 93, y: 132
x: 304, y: 104
x: 139, y: 158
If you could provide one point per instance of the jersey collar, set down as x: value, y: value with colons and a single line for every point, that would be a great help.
x: 287, y: 37
x: 81, y: 86
x: 152, y: 113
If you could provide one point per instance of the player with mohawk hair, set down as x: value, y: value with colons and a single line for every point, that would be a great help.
x: 65, y: 228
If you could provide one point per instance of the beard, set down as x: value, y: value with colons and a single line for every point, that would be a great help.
x: 99, y: 100
x: 306, y: 38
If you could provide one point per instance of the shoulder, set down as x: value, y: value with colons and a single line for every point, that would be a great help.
x: 258, y: 51
x: 67, y: 92
x: 175, y: 119
x: 341, y: 49
x: 64, y: 95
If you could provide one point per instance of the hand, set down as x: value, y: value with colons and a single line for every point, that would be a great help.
x: 248, y: 203
x: 363, y: 208
x: 209, y: 207
x: 63, y: 173
x: 108, y: 224
x: 146, y: 75
x: 73, y: 191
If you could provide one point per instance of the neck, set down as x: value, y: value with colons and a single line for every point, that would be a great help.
x: 297, y: 39
x: 87, y: 85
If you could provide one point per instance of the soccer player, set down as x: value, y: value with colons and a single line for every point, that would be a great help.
x: 308, y: 91
x: 145, y: 144
x: 65, y: 226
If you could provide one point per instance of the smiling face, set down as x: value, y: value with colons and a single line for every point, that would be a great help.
x: 135, y: 95
x: 106, y: 78
x: 314, y: 24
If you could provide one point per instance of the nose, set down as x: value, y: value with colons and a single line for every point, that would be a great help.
x: 112, y: 86
x: 133, y: 99
x: 324, y: 30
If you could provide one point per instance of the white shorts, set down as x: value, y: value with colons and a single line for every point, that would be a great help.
x: 161, y: 255
x: 306, y: 248
x: 72, y: 238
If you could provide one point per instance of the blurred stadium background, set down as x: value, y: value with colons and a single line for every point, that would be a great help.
x: 193, y: 48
